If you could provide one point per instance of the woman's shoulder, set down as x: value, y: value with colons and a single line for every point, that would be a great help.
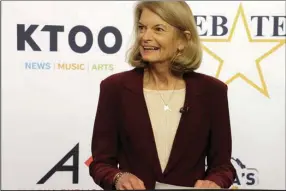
x: 210, y: 82
x: 117, y: 78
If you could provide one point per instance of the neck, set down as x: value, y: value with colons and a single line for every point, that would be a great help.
x: 159, y: 76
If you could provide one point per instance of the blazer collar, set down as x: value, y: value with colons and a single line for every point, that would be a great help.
x: 134, y: 82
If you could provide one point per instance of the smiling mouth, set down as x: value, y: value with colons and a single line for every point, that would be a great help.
x: 150, y: 48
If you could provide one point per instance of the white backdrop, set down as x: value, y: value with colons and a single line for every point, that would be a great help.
x: 48, y: 110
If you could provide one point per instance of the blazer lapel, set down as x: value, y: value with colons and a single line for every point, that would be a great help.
x: 134, y: 83
x: 180, y: 143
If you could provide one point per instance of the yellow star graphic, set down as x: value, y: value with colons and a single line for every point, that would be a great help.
x: 278, y: 44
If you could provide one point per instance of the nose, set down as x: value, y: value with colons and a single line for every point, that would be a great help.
x: 147, y: 35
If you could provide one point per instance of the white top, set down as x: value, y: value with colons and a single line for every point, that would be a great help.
x: 164, y: 123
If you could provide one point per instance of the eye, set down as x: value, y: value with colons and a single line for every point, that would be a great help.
x: 159, y: 29
x: 140, y: 27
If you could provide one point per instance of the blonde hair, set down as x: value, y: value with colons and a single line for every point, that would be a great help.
x: 179, y: 15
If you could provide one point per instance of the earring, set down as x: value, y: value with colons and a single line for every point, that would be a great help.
x: 180, y: 48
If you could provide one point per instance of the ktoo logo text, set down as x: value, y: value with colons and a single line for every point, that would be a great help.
x: 25, y: 33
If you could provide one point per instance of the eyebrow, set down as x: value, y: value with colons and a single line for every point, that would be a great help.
x: 157, y: 25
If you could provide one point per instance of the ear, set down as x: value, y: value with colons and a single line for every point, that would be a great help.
x: 182, y: 43
x: 187, y: 35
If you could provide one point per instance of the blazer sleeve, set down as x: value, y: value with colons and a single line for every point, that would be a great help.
x: 104, y: 144
x: 220, y: 169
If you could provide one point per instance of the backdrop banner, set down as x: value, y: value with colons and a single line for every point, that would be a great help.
x: 55, y: 54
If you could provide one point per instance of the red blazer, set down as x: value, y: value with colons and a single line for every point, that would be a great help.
x: 123, y: 134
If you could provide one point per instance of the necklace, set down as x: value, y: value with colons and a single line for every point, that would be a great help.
x: 166, y: 104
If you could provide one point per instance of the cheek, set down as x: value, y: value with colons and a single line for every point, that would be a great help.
x: 168, y: 52
x: 167, y: 46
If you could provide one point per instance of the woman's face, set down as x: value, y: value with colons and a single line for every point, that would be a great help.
x: 157, y: 39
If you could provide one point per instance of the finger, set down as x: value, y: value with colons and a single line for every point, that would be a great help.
x: 135, y: 183
x: 213, y: 185
x: 142, y: 185
x: 127, y: 186
x: 210, y: 184
x: 206, y: 184
x: 199, y: 184
x: 203, y: 184
x: 121, y: 187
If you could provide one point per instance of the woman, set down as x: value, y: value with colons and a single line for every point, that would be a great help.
x: 161, y: 120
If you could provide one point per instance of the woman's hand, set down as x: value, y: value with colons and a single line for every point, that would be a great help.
x: 129, y: 182
x: 206, y: 184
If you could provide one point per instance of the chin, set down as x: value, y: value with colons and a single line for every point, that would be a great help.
x: 150, y: 59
